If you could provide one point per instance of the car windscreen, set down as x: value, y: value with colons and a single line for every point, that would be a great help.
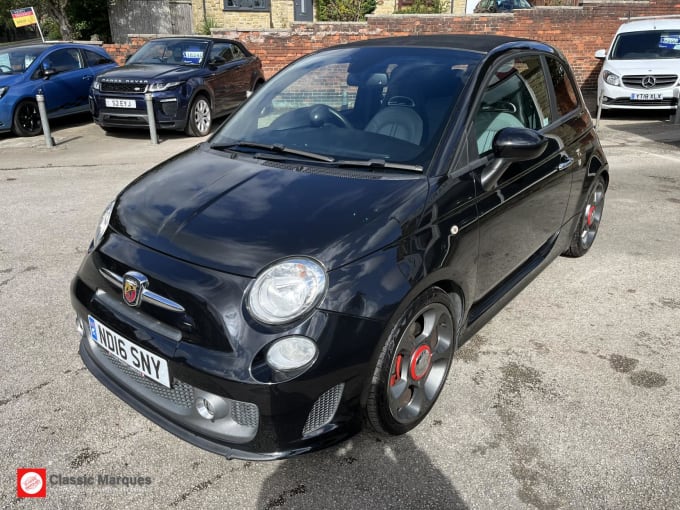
x: 652, y: 44
x: 17, y: 60
x: 384, y: 104
x: 178, y: 52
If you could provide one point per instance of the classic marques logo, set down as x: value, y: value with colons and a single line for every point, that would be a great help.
x: 31, y: 482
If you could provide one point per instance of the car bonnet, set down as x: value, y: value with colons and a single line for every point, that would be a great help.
x: 239, y: 215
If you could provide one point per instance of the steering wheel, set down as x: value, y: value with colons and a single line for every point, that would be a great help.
x: 321, y: 113
x: 3, y: 67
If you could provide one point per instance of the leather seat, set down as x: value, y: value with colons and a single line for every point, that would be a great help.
x: 488, y: 123
x: 399, y: 117
x: 398, y: 121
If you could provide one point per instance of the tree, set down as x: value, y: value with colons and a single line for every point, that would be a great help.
x: 344, y: 10
x: 65, y: 19
x: 57, y: 10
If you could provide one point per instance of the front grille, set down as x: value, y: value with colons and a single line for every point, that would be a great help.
x: 198, y: 324
x: 670, y: 102
x: 125, y: 88
x: 323, y: 409
x: 662, y: 81
x: 236, y: 422
x: 181, y: 393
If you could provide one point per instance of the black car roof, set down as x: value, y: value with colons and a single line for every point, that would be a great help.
x: 191, y: 38
x: 470, y: 42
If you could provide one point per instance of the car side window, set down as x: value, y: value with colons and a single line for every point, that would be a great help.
x: 64, y: 60
x: 95, y: 59
x: 224, y: 50
x: 565, y: 92
x: 238, y: 54
x: 516, y: 96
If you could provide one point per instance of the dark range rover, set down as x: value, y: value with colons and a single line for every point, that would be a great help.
x: 312, y: 267
x: 192, y: 80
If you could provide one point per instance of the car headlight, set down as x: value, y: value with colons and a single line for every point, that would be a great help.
x: 611, y: 78
x: 158, y: 87
x: 287, y: 290
x: 103, y: 224
x: 96, y: 84
x: 3, y: 90
x: 291, y: 353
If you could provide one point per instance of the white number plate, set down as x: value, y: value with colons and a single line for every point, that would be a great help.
x: 147, y: 363
x: 646, y: 97
x: 120, y: 103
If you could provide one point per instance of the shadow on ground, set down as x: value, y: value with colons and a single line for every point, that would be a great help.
x: 367, y: 472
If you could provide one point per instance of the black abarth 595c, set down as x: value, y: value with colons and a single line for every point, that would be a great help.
x: 312, y: 268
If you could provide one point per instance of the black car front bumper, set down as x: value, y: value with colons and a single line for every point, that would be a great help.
x: 267, y: 445
x: 260, y: 420
x: 170, y: 110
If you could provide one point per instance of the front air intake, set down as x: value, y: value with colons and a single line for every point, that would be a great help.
x: 323, y: 409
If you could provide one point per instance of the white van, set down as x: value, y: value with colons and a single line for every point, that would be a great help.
x: 642, y: 66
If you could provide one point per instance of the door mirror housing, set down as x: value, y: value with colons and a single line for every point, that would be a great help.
x: 511, y: 145
x: 217, y: 61
x: 601, y: 54
x: 48, y: 71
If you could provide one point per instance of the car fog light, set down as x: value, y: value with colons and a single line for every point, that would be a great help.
x: 291, y: 353
x: 80, y: 327
x: 169, y: 106
x: 205, y: 408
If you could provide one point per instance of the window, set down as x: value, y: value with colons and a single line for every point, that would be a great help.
x: 227, y: 51
x: 325, y: 85
x: 646, y: 45
x: 64, y: 60
x: 516, y: 96
x: 564, y: 88
x: 95, y: 59
x: 246, y: 5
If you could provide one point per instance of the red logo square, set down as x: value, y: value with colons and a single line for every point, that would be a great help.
x: 31, y: 482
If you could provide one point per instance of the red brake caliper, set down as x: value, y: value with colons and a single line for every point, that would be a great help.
x: 591, y: 213
x: 397, y: 370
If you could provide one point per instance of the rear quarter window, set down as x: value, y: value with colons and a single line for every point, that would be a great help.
x: 565, y: 91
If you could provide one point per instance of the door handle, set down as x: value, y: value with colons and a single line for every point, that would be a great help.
x: 565, y: 162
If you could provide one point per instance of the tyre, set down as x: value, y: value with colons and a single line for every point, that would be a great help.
x: 589, y: 222
x: 413, y: 364
x: 200, y: 117
x: 26, y: 120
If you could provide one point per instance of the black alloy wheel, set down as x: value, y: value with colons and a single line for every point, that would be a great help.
x: 26, y: 121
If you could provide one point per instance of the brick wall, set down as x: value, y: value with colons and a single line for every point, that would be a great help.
x: 577, y: 31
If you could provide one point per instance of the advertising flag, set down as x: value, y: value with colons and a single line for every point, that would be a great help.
x: 24, y: 17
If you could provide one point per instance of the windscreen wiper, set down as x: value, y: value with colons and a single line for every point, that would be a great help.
x: 378, y: 163
x: 276, y: 148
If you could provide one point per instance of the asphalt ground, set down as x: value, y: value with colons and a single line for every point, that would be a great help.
x: 569, y: 398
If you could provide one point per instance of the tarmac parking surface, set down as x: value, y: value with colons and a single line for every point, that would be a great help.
x: 569, y: 398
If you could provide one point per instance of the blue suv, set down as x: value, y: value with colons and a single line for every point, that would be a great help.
x: 191, y: 79
x: 63, y: 72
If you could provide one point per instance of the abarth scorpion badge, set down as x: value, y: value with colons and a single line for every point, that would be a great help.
x: 133, y: 287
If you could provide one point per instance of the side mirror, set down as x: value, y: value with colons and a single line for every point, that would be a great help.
x: 217, y: 61
x: 601, y: 54
x: 48, y: 71
x: 511, y: 145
